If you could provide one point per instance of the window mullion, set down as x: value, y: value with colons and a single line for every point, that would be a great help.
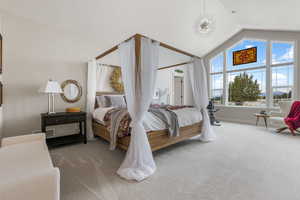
x: 215, y: 73
x: 225, y: 89
x: 269, y: 92
x: 295, y: 88
x: 281, y: 64
x: 246, y: 69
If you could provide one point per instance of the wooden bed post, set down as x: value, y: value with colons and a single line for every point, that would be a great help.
x: 137, y: 38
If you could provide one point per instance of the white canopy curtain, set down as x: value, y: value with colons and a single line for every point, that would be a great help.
x: 92, y: 80
x: 103, y: 78
x: 198, y: 79
x: 139, y: 89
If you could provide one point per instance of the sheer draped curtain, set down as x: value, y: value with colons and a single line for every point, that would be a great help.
x: 139, y: 90
x: 103, y: 78
x: 198, y: 77
x: 92, y: 80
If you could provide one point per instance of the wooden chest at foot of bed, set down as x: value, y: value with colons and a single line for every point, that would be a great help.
x: 157, y: 139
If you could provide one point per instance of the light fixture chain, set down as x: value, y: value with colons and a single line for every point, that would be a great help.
x: 204, y: 5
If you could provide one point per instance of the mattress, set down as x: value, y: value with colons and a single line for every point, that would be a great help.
x: 186, y: 117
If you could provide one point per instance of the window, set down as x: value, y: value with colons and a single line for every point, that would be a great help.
x: 250, y: 84
x: 282, y: 71
x: 217, y: 64
x: 217, y: 88
x: 246, y: 85
x: 217, y: 78
x: 282, y: 52
x: 249, y: 93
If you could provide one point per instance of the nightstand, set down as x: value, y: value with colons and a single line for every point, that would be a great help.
x: 65, y: 118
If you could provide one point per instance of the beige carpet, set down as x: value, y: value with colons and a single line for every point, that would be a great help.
x: 245, y: 163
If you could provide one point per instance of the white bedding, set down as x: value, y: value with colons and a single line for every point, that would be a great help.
x: 186, y: 117
x: 99, y: 114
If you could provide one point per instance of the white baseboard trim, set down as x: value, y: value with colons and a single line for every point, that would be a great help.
x: 239, y: 121
x: 260, y: 124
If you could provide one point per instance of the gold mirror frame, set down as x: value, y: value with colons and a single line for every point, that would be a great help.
x: 115, y: 80
x: 67, y: 82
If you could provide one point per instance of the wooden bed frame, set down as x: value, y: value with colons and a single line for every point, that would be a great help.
x: 157, y: 139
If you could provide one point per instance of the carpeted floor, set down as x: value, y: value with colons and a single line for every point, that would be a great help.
x: 245, y: 163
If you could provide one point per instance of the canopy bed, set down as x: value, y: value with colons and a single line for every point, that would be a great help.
x: 157, y: 133
x: 139, y: 64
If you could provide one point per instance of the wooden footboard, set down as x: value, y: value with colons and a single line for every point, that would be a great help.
x: 157, y: 139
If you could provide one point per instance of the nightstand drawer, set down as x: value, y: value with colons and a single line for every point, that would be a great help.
x: 64, y: 119
x: 75, y: 118
x: 55, y: 120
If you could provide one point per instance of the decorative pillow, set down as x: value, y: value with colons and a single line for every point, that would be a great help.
x: 116, y: 100
x: 102, y: 101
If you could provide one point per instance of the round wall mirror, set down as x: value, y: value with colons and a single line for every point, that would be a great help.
x: 72, y: 91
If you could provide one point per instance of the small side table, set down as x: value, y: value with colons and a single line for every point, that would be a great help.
x: 65, y: 118
x: 264, y: 116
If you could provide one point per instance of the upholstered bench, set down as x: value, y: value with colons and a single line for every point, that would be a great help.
x: 26, y: 169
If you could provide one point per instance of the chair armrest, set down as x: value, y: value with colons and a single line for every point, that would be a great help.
x: 22, y: 139
x: 43, y: 185
x: 276, y: 114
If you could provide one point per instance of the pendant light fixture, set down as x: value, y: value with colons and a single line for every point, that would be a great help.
x: 206, y: 23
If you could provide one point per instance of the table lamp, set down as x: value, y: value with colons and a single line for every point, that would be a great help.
x: 51, y: 88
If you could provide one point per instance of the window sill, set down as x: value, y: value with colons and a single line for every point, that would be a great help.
x: 247, y: 107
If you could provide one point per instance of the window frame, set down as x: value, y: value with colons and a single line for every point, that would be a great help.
x: 267, y: 66
x: 282, y: 65
x: 216, y: 73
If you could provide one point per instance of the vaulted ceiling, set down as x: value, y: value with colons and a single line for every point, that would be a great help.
x: 106, y: 23
x: 266, y: 14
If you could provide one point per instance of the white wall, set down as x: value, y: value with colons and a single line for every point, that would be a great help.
x: 33, y: 53
x: 163, y: 84
x: 245, y: 114
x: 165, y: 77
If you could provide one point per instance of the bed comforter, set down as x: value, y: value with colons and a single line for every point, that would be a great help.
x: 152, y: 122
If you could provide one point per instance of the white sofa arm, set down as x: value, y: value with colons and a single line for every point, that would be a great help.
x: 44, y: 185
x: 22, y: 139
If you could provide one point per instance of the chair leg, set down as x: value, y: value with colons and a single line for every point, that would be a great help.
x: 290, y: 126
x: 279, y: 130
x: 292, y: 131
x: 266, y: 122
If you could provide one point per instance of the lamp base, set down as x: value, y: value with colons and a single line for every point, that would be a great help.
x: 51, y: 101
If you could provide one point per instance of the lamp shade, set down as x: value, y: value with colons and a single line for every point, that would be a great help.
x: 51, y: 87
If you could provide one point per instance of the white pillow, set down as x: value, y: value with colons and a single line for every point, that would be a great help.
x: 116, y: 100
x: 102, y: 101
